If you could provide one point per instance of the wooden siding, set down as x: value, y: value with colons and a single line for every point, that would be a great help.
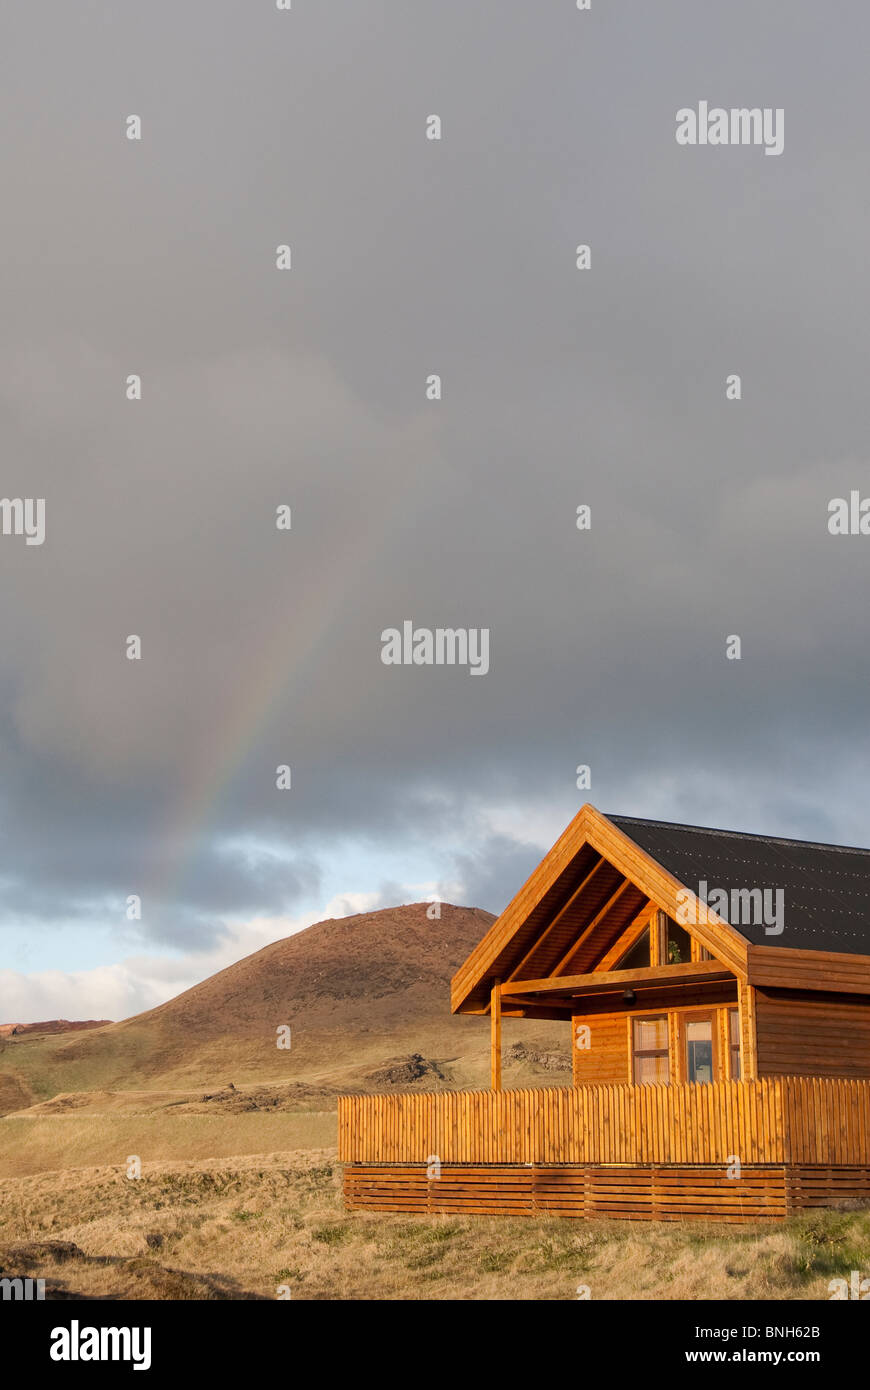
x: 773, y: 1120
x: 608, y: 1059
x: 778, y: 966
x: 812, y: 1035
x: 767, y: 1193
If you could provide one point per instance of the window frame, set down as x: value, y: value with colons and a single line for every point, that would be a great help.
x: 619, y: 964
x: 686, y: 1016
x: 637, y: 1052
x: 734, y: 1047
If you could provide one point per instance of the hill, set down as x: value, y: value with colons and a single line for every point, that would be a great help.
x: 366, y: 999
x: 53, y: 1025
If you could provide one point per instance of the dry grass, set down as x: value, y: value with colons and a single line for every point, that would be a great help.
x: 241, y: 1227
x: 40, y: 1144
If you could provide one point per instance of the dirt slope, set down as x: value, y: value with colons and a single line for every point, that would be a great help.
x: 374, y: 970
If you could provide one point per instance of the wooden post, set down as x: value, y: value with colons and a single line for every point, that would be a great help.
x: 495, y: 1036
x: 658, y: 939
x: 748, y: 1036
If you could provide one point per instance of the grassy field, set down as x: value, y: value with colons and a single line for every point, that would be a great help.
x: 246, y: 1227
x: 263, y: 1212
x: 127, y: 1057
x: 40, y: 1144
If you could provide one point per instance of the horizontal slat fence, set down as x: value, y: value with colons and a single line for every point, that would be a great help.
x: 665, y: 1193
x: 784, y: 1119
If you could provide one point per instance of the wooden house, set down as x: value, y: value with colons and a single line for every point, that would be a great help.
x: 717, y: 989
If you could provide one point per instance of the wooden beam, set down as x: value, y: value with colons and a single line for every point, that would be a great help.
x: 687, y: 973
x: 627, y: 939
x: 495, y: 1036
x: 596, y: 921
x: 515, y: 1006
x: 523, y: 1008
x: 536, y: 945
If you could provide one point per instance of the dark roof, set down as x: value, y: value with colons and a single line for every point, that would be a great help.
x: 825, y: 888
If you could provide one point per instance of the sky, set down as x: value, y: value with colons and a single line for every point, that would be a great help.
x: 307, y: 388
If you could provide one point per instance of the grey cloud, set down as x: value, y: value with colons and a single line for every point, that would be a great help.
x: 496, y: 869
x: 260, y: 388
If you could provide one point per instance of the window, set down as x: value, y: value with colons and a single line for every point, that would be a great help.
x: 679, y: 944
x: 650, y: 1049
x: 698, y: 1033
x: 734, y: 1043
x: 637, y: 956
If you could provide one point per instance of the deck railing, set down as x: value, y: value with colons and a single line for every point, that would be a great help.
x: 776, y: 1120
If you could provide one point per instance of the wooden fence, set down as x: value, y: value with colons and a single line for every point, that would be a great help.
x: 800, y: 1120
